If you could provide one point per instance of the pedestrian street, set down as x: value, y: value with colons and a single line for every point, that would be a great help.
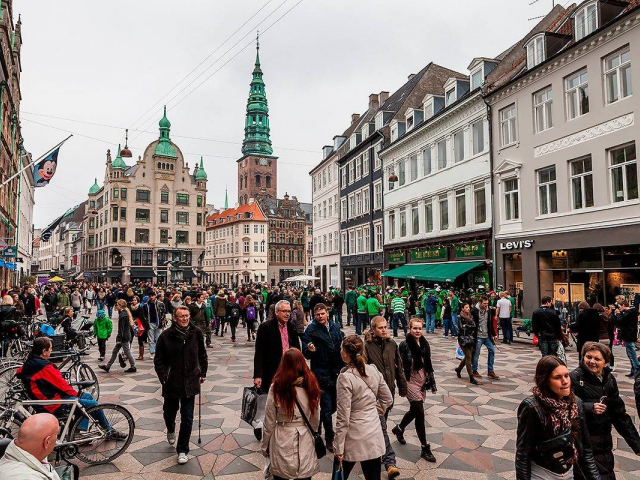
x: 472, y: 430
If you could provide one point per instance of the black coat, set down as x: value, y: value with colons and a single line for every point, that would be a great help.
x: 590, y: 389
x: 125, y: 331
x: 409, y: 349
x: 587, y: 326
x: 532, y: 425
x: 29, y: 305
x: 545, y: 323
x: 627, y: 323
x: 326, y: 361
x: 268, y: 353
x: 180, y: 363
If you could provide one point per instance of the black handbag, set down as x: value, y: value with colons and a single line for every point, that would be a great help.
x: 557, y: 451
x: 318, y: 443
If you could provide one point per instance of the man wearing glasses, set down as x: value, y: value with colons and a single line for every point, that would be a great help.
x: 274, y: 337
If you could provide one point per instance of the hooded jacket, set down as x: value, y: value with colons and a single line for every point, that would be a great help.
x: 20, y: 464
x: 385, y: 355
x: 43, y: 381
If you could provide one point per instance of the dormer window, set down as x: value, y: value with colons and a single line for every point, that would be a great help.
x: 586, y: 20
x: 450, y: 96
x: 428, y: 109
x: 535, y: 51
x: 476, y: 78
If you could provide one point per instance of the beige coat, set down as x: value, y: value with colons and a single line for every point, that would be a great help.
x: 358, y: 431
x: 288, y: 442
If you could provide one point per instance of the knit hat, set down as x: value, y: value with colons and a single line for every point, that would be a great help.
x: 100, y: 313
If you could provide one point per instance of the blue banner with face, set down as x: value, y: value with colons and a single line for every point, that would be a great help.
x: 45, y: 169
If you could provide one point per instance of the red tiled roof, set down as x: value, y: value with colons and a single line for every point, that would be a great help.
x: 251, y: 208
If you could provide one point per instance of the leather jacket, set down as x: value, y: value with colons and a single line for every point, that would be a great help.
x: 532, y: 429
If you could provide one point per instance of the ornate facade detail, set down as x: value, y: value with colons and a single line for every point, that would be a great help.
x: 585, y: 135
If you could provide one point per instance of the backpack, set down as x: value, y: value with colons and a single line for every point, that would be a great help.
x: 235, y: 312
x: 251, y: 313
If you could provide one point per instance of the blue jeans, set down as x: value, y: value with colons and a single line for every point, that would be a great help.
x: 448, y: 325
x: 328, y: 405
x: 100, y: 304
x: 454, y: 324
x: 337, y: 317
x: 361, y: 320
x: 153, y: 335
x: 492, y: 353
x: 548, y: 347
x: 110, y: 308
x: 352, y: 313
x: 86, y: 400
x: 631, y: 353
x: 397, y: 319
x: 507, y: 329
x: 430, y: 324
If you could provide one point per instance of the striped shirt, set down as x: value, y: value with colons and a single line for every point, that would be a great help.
x: 397, y: 305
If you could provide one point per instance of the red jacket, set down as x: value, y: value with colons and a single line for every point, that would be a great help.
x: 44, y: 381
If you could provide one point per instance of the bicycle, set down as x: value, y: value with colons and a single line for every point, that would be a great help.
x: 94, y: 435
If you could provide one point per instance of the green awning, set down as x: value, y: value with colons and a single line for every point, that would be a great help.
x: 405, y: 271
x: 435, y: 272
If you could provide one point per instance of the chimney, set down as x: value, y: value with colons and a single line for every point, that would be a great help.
x: 354, y: 118
x: 382, y: 97
x: 373, y: 101
x: 411, y: 75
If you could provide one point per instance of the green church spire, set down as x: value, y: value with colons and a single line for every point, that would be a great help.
x: 226, y: 199
x: 118, y: 162
x: 94, y: 188
x: 165, y: 148
x: 201, y: 174
x: 256, y: 127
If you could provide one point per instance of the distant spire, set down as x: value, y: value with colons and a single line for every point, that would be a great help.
x: 226, y: 198
x: 256, y: 127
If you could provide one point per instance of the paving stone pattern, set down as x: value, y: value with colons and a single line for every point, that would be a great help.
x: 471, y: 429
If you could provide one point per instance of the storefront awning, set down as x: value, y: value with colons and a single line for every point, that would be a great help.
x: 142, y: 273
x: 434, y: 272
x: 114, y: 273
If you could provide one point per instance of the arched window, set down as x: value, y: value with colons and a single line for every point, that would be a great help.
x: 171, y: 165
x: 268, y: 181
x: 258, y: 180
x: 159, y: 165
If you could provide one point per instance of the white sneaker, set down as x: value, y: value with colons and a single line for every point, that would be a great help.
x: 171, y: 438
x: 182, y: 458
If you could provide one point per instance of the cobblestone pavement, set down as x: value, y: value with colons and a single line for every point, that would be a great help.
x: 471, y: 429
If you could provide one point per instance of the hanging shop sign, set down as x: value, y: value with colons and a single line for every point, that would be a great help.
x: 438, y: 253
x: 396, y: 257
x: 470, y: 250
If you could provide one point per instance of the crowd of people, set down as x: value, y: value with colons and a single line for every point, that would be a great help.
x: 338, y: 389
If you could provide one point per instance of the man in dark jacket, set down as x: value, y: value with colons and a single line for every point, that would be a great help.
x: 274, y: 337
x: 626, y: 319
x: 199, y: 318
x: 487, y: 332
x: 181, y: 365
x: 29, y: 302
x: 586, y: 326
x: 50, y: 300
x: 383, y: 352
x: 315, y: 299
x: 337, y: 303
x: 321, y: 343
x: 546, y: 325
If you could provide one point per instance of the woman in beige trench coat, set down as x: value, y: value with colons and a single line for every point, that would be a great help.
x: 363, y: 395
x: 286, y: 439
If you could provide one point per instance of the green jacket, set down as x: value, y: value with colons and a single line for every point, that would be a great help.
x: 455, y: 304
x: 362, y: 304
x: 373, y: 306
x: 63, y: 300
x: 208, y: 310
x: 102, y: 327
x: 351, y: 298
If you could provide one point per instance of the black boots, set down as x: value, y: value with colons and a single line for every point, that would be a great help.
x: 399, y: 433
x: 473, y: 380
x: 458, y: 372
x: 426, y: 454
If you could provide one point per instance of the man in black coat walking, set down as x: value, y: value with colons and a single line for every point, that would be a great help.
x: 626, y: 319
x: 181, y: 365
x: 274, y: 337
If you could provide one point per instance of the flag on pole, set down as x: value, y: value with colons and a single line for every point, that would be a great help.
x: 45, y: 169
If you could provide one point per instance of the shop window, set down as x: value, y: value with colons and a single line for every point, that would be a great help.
x: 585, y: 258
x: 513, y: 272
x: 622, y: 257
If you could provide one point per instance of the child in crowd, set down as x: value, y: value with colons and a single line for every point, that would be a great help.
x: 102, y: 329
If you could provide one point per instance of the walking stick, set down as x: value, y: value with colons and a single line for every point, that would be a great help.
x: 199, y: 416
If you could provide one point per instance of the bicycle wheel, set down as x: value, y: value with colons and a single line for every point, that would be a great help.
x: 9, y: 425
x: 96, y: 445
x: 82, y: 371
x: 8, y: 380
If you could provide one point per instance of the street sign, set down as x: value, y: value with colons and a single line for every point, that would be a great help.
x: 10, y: 251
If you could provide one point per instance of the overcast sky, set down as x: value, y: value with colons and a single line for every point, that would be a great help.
x: 109, y: 62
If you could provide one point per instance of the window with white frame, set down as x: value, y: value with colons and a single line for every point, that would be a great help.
x: 508, y: 125
x: 547, y: 191
x: 586, y: 21
x: 359, y: 241
x: 365, y: 163
x: 345, y: 243
x: 461, y: 208
x: 415, y: 220
x: 246, y: 229
x: 617, y: 75
x: 343, y: 206
x: 624, y: 173
x: 458, y: 146
x: 352, y: 206
x: 428, y: 109
x: 413, y: 167
x: 324, y: 243
x: 255, y: 228
x: 352, y: 242
x: 366, y: 200
x: 444, y: 212
x: 377, y: 161
x: 577, y: 94
x: 324, y: 209
x: 330, y: 208
x: 581, y: 183
x: 442, y: 154
x: 476, y: 78
x: 358, y: 203
x: 377, y: 195
x: 511, y: 199
x: 246, y: 247
x: 352, y: 171
x: 477, y: 134
x: 378, y: 242
x: 428, y: 215
x: 403, y: 222
x: 542, y: 109
x: 402, y: 172
x: 358, y: 167
x: 392, y: 226
x: 391, y: 185
x: 329, y: 169
x: 535, y: 51
x: 450, y: 96
x: 324, y: 177
x: 480, y: 203
x: 343, y: 174
x: 366, y: 239
x: 336, y: 246
x: 379, y: 120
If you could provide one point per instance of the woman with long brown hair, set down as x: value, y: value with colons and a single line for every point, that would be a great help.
x: 362, y: 396
x: 553, y: 441
x: 286, y: 439
x: 123, y: 339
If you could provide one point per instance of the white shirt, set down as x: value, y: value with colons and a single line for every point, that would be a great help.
x: 505, y: 308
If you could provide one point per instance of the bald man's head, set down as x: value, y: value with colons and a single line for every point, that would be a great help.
x: 38, y: 434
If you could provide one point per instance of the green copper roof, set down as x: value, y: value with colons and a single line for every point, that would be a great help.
x: 226, y: 199
x: 95, y: 187
x: 256, y: 127
x: 118, y: 162
x: 201, y: 174
x: 165, y: 148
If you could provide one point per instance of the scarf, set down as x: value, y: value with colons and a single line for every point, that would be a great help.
x: 182, y: 331
x: 466, y: 317
x: 560, y: 414
x: 418, y: 351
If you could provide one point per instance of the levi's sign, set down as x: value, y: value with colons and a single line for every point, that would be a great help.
x: 516, y: 245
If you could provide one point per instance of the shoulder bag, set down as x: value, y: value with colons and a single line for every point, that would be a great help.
x: 318, y: 443
x: 557, y: 451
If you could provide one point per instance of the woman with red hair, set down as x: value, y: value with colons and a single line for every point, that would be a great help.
x: 286, y: 439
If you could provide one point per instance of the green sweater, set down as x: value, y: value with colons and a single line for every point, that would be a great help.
x: 373, y: 306
x: 351, y: 298
x: 362, y: 304
x: 397, y: 305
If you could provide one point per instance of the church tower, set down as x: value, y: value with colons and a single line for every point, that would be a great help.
x: 257, y: 168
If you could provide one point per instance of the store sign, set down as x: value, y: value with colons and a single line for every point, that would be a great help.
x: 10, y: 252
x: 430, y: 254
x: 396, y: 257
x: 480, y: 277
x: 467, y: 250
x: 516, y: 245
